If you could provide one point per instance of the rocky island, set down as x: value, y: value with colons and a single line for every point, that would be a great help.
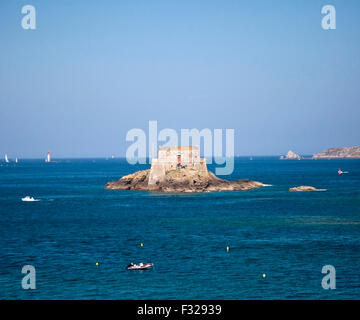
x: 291, y: 156
x: 339, y: 153
x: 303, y: 188
x: 179, y: 169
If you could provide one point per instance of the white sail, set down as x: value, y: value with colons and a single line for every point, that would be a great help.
x: 6, y: 159
x: 48, y: 157
x: 16, y: 160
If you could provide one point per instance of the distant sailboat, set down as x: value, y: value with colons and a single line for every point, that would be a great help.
x: 6, y: 159
x: 16, y: 160
x: 48, y: 157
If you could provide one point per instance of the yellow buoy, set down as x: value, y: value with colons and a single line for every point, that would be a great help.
x: 264, y: 275
x: 97, y: 263
x: 227, y: 249
x: 141, y: 245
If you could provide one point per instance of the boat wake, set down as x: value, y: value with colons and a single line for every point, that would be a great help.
x: 267, y: 185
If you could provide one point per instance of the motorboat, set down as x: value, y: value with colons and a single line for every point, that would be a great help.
x: 28, y: 198
x: 140, y: 266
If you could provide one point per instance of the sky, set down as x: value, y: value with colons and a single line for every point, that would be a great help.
x: 93, y: 70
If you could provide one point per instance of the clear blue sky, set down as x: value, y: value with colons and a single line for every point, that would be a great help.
x: 92, y: 70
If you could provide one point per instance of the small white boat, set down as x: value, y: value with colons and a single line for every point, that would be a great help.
x: 341, y: 172
x: 16, y: 160
x: 48, y: 159
x: 140, y: 266
x: 6, y: 159
x: 28, y: 198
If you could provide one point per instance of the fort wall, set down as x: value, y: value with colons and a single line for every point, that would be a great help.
x: 175, y: 158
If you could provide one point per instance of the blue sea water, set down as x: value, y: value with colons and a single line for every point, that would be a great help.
x: 289, y: 236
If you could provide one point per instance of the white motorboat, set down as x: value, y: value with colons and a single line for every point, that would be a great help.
x: 28, y: 198
x: 140, y: 266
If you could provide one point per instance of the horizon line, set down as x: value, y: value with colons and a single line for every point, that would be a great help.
x: 123, y: 157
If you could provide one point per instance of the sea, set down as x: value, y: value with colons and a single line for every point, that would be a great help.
x: 80, y: 237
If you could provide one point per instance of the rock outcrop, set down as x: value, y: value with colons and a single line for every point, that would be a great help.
x: 179, y: 169
x: 181, y: 180
x: 339, y: 153
x: 291, y: 156
x: 303, y: 188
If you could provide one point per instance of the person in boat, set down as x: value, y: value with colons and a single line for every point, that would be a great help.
x: 130, y: 265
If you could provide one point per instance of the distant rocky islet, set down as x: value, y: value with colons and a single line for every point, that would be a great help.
x: 179, y: 169
x: 339, y: 153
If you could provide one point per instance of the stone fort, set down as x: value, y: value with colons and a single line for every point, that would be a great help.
x: 175, y: 158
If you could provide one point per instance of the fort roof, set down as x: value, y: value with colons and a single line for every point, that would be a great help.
x: 172, y: 148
